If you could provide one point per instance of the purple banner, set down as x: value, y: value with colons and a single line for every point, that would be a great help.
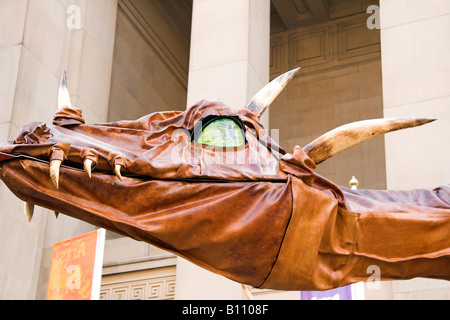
x: 343, y: 293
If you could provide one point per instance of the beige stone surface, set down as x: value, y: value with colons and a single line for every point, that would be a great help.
x: 141, y: 82
x: 417, y: 85
x: 12, y: 22
x: 228, y: 52
x: 21, y: 248
x: 207, y: 48
x: 100, y: 19
x: 93, y: 85
x: 46, y: 17
x: 419, y: 157
x: 9, y: 64
x: 399, y: 12
x: 36, y: 91
x: 124, y: 249
x: 421, y: 289
x: 415, y: 62
x: 224, y: 82
x: 35, y: 46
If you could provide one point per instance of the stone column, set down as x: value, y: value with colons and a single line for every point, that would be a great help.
x: 38, y: 40
x: 20, y: 242
x: 415, y: 69
x: 229, y: 60
x: 229, y: 56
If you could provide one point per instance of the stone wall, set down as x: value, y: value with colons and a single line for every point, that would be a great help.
x: 416, y: 83
x: 151, y: 59
x: 340, y: 82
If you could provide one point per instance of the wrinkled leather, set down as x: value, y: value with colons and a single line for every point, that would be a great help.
x: 327, y: 246
x: 266, y: 220
x: 212, y: 224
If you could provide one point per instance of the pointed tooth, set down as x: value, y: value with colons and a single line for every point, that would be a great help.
x: 88, y: 167
x: 56, y: 214
x: 117, y: 169
x: 54, y: 172
x: 29, y: 211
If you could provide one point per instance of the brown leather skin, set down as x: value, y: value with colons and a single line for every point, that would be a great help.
x: 266, y: 219
x: 327, y: 246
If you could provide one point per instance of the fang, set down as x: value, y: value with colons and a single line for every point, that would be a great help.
x: 117, y: 169
x: 29, y: 211
x: 54, y: 172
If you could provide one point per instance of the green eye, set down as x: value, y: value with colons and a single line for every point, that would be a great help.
x: 222, y: 133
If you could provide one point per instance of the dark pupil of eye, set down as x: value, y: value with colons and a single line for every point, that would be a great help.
x: 222, y: 133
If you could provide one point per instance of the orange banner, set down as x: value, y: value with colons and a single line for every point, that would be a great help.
x: 75, y: 272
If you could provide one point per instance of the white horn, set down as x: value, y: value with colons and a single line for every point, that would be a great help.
x: 63, y: 93
x: 262, y: 100
x: 352, y: 134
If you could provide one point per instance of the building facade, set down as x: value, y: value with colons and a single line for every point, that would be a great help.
x: 360, y: 59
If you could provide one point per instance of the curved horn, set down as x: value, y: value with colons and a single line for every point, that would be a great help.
x: 63, y: 93
x: 262, y: 100
x: 352, y: 134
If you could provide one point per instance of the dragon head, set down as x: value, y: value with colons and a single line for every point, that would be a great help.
x: 200, y: 183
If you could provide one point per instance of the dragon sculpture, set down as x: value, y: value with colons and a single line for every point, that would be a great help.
x: 210, y: 185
